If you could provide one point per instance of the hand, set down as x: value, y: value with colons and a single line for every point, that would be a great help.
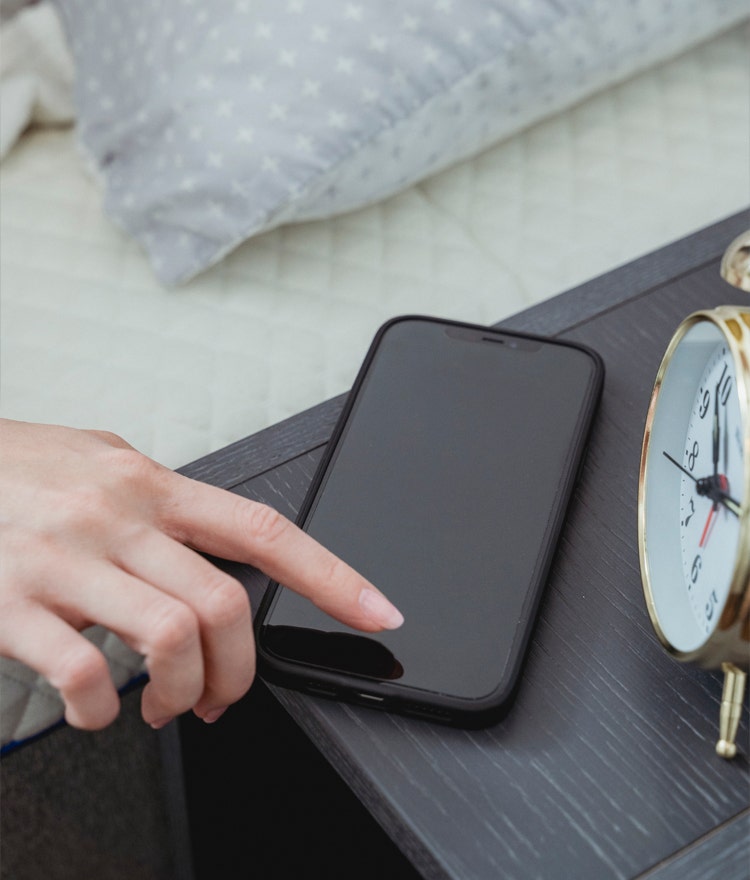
x: 91, y: 531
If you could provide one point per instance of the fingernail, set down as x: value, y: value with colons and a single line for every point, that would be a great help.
x: 380, y: 610
x: 214, y: 715
x: 160, y: 722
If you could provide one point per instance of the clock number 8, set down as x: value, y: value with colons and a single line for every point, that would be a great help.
x: 693, y: 455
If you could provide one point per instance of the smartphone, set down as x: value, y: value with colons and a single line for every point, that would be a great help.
x: 445, y: 483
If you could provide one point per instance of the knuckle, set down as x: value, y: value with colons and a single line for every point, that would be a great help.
x: 80, y: 669
x: 265, y: 523
x: 335, y: 573
x: 88, y: 506
x: 108, y: 437
x: 174, y: 627
x: 131, y: 465
x: 225, y: 603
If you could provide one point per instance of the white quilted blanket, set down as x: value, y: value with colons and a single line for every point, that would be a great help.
x: 89, y: 338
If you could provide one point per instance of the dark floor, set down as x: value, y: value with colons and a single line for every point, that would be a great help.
x: 263, y: 803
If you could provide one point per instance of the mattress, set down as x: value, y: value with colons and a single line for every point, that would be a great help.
x: 89, y: 338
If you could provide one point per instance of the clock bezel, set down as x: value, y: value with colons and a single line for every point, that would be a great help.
x: 729, y: 641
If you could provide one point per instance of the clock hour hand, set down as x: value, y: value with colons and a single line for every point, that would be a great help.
x: 709, y: 487
x: 716, y: 429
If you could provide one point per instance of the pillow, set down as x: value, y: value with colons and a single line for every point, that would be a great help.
x: 211, y: 122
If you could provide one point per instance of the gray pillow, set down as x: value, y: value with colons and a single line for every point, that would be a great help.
x: 211, y: 122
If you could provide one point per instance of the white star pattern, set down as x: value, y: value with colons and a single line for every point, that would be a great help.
x: 336, y: 119
x: 378, y: 43
x: 230, y: 106
x: 304, y: 143
x: 311, y: 88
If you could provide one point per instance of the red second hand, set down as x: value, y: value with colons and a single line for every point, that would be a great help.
x: 711, y: 514
x: 724, y: 483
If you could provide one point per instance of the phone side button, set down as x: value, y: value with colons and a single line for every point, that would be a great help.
x: 371, y: 698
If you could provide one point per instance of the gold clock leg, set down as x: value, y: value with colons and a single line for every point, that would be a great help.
x: 731, y: 709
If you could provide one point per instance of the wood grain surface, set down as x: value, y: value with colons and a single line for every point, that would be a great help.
x: 605, y: 766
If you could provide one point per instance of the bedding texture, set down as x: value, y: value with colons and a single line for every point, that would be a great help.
x: 210, y: 123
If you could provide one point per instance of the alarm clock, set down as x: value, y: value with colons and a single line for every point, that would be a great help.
x: 694, y: 502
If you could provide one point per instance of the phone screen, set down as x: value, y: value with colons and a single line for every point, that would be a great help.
x: 445, y: 488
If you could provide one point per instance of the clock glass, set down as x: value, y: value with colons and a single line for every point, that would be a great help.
x: 694, y: 486
x: 709, y: 530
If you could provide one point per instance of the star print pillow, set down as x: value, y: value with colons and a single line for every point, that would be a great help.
x: 210, y: 122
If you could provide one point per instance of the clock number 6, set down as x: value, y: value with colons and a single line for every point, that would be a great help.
x: 695, y: 571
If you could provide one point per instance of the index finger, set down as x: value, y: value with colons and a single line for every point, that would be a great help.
x: 232, y: 527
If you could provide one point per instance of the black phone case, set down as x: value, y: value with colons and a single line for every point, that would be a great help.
x: 385, y: 695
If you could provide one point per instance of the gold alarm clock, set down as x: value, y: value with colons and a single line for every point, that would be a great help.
x: 694, y: 502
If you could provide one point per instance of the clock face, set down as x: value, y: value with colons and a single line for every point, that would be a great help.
x: 694, y: 486
x: 713, y: 448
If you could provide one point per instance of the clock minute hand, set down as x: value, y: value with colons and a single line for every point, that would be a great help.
x: 709, y: 487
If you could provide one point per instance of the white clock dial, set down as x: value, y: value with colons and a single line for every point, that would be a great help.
x: 709, y: 531
x: 693, y: 500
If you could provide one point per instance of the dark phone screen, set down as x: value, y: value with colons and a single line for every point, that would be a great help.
x: 442, y: 491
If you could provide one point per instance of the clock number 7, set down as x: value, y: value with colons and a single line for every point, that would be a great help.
x: 690, y: 515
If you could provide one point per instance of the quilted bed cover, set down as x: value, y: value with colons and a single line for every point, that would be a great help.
x: 89, y: 338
